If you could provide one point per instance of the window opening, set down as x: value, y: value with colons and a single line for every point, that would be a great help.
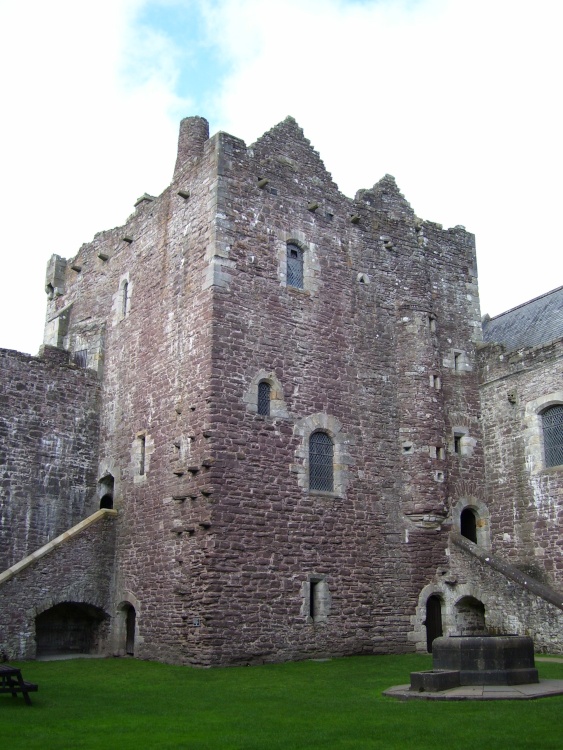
x: 552, y: 423
x: 321, y: 460
x: 432, y: 324
x: 294, y: 266
x: 457, y: 360
x: 457, y: 444
x: 125, y: 298
x: 143, y: 455
x: 105, y: 489
x: 81, y: 358
x: 468, y: 524
x: 264, y: 392
x: 313, y: 585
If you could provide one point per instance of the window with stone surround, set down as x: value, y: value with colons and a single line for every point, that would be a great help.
x: 295, y: 264
x: 552, y: 426
x: 316, y: 599
x: 321, y: 462
x: 264, y: 395
x: 322, y: 459
x: 542, y: 427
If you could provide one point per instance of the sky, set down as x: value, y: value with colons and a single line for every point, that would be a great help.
x: 458, y: 99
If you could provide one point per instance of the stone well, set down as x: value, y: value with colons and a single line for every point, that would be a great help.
x: 478, y: 660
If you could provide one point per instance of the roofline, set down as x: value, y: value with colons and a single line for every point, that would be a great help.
x: 523, y: 304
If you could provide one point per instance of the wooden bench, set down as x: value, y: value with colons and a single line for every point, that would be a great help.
x: 11, y: 681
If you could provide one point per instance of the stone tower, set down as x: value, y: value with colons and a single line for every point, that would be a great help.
x: 288, y: 404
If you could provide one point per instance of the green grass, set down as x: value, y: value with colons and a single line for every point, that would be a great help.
x: 124, y: 703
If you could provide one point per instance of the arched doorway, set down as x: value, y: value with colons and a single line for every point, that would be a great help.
x: 69, y: 628
x: 105, y: 491
x: 468, y: 524
x: 433, y: 620
x: 130, y: 624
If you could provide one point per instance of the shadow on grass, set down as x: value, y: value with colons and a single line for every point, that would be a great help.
x: 125, y: 703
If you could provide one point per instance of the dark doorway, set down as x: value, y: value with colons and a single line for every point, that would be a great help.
x: 468, y: 524
x: 105, y: 488
x: 106, y: 502
x: 68, y: 628
x: 130, y: 622
x: 433, y: 620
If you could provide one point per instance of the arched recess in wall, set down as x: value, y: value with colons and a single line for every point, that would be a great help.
x: 70, y: 628
x: 253, y: 397
x: 330, y: 426
x: 470, y: 616
x: 471, y: 519
x: 126, y: 626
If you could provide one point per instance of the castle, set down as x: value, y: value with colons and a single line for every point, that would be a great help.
x: 267, y: 423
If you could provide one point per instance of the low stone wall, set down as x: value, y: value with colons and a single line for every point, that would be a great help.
x: 79, y: 570
x: 509, y: 606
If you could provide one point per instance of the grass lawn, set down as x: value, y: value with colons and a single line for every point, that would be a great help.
x: 124, y: 703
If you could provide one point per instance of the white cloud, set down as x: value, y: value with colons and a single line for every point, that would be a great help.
x: 459, y: 100
x: 77, y: 142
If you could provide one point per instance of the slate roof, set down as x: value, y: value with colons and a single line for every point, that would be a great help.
x: 533, y: 323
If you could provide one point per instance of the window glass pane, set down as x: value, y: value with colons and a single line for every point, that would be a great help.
x: 321, y: 459
x: 552, y: 420
x: 263, y: 398
x: 294, y: 266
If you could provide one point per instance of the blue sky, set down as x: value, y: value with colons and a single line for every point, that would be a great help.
x: 458, y: 100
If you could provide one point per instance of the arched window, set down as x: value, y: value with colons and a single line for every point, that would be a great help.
x: 552, y: 425
x: 294, y: 266
x: 321, y: 462
x: 264, y: 391
x: 468, y: 524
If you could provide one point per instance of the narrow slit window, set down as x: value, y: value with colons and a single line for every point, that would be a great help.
x: 457, y: 443
x: 457, y: 360
x: 294, y: 266
x: 321, y: 460
x: 264, y: 393
x: 142, y: 454
x: 124, y: 298
x: 313, y: 586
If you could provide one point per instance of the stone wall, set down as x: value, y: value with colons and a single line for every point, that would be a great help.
x: 525, y: 499
x: 80, y: 570
x: 48, y: 449
x: 222, y: 546
x: 384, y: 303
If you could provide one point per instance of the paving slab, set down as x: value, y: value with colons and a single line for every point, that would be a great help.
x: 541, y: 689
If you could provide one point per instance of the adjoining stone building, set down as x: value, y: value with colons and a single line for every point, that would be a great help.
x: 256, y: 433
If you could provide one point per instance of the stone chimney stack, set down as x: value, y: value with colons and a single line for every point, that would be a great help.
x: 194, y: 132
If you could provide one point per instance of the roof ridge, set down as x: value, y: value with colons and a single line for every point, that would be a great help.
x: 523, y: 304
